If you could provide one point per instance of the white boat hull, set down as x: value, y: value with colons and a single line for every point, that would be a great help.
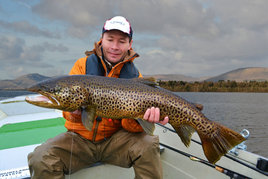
x: 175, y: 156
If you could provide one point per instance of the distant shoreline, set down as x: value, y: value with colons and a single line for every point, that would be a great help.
x: 13, y: 93
x: 220, y: 86
x: 13, y: 89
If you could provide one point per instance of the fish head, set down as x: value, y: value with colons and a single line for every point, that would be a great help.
x: 63, y: 93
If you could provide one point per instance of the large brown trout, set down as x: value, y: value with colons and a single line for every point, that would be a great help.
x: 129, y: 98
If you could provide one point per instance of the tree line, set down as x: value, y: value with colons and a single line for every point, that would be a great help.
x: 220, y: 86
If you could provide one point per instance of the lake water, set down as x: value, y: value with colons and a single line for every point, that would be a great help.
x: 237, y: 111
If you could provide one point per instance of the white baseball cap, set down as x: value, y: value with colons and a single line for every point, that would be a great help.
x: 118, y: 23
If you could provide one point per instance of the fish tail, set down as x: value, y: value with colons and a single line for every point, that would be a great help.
x: 219, y: 143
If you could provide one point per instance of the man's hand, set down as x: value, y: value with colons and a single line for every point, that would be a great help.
x: 76, y: 112
x: 153, y: 115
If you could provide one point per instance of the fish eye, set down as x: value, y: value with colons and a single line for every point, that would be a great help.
x: 47, y: 88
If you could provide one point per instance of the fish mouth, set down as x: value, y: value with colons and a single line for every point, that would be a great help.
x: 43, y: 100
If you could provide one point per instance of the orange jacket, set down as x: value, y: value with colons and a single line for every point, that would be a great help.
x: 102, y: 128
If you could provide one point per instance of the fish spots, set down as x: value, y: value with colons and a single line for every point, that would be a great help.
x: 121, y: 98
x: 117, y: 97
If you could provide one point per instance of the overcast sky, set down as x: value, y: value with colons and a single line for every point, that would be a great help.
x: 191, y: 37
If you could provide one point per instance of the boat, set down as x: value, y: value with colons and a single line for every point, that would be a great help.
x: 24, y: 126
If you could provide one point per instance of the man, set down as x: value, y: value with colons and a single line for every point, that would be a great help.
x: 117, y: 142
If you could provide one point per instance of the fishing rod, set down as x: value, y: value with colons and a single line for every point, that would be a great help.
x: 228, y: 156
x: 202, y: 161
x: 228, y: 172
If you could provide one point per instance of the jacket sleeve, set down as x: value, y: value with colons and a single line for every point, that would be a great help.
x: 131, y: 125
x: 73, y: 117
x: 79, y: 67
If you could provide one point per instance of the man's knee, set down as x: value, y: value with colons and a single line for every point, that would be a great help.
x: 147, y: 162
x: 147, y: 143
x: 35, y: 158
x: 42, y: 162
x: 150, y: 142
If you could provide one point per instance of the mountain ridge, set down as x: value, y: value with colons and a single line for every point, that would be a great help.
x: 22, y: 82
x: 238, y: 75
x: 243, y: 74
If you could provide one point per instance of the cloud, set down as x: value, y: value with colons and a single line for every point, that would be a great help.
x: 15, y: 49
x: 49, y: 47
x: 152, y: 16
x: 10, y: 48
x: 190, y: 37
x: 24, y: 4
x: 245, y: 13
x: 210, y: 32
x: 16, y: 58
x: 26, y: 28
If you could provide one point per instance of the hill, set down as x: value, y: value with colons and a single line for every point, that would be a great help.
x: 173, y: 77
x: 238, y: 75
x: 243, y: 74
x: 21, y: 82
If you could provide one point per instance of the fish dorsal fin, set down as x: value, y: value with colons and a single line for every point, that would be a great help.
x: 88, y: 116
x: 148, y: 127
x: 146, y: 81
x: 185, y: 132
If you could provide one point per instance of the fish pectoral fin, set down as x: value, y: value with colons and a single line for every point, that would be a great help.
x: 185, y: 132
x: 88, y: 116
x: 148, y: 127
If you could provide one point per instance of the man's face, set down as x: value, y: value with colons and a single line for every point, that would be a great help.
x: 115, y: 45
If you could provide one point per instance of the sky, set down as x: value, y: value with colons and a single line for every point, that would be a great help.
x: 195, y: 38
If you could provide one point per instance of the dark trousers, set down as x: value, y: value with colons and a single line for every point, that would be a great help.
x: 69, y: 152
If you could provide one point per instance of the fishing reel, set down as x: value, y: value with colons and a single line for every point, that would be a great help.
x: 245, y: 133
